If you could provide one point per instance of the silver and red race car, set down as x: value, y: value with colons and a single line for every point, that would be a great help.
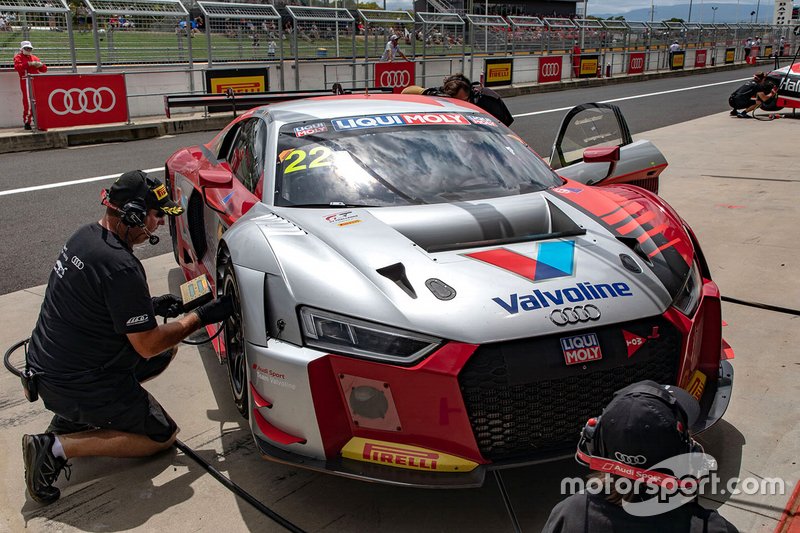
x: 421, y: 298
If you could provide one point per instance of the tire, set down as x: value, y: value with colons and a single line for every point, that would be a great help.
x: 233, y: 338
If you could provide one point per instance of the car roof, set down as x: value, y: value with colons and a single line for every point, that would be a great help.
x: 328, y: 107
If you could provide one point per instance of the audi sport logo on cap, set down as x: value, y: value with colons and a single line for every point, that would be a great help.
x: 581, y: 349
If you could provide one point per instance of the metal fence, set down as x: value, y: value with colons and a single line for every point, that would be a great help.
x: 441, y: 34
x: 527, y: 34
x: 46, y: 23
x: 377, y: 26
x: 320, y: 32
x: 241, y: 32
x: 488, y: 34
x: 561, y: 34
x: 137, y: 32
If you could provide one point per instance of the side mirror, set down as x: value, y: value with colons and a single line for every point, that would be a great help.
x: 602, y: 154
x: 216, y: 179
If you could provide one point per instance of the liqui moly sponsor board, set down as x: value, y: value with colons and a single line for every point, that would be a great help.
x: 550, y: 69
x: 397, y: 75
x: 636, y: 63
x: 405, y: 119
x: 581, y: 349
x: 64, y: 100
x: 700, y: 58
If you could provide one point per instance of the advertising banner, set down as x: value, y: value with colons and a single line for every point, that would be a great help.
x: 241, y: 80
x: 636, y: 63
x: 768, y: 50
x: 589, y: 66
x: 550, y: 69
x: 677, y: 60
x: 395, y: 74
x: 498, y: 72
x: 730, y: 55
x: 64, y: 100
x: 700, y: 58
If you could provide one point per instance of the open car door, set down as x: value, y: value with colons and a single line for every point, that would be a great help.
x: 583, y: 151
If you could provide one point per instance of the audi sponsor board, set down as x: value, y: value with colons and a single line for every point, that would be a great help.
x: 550, y: 69
x: 700, y: 58
x: 581, y: 349
x: 64, y: 100
x: 397, y: 75
x: 636, y: 63
x: 498, y: 72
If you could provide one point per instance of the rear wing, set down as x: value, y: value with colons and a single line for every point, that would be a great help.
x: 231, y: 101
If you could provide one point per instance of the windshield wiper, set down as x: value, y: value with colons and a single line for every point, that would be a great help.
x: 331, y: 204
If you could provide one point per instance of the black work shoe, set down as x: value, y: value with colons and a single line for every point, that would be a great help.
x: 734, y: 112
x: 27, y: 126
x: 42, y: 467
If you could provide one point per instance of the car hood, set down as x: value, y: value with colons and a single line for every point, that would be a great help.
x: 486, y: 270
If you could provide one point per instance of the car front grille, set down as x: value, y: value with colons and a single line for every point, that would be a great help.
x: 523, y: 400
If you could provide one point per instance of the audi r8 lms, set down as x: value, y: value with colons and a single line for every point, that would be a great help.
x: 421, y: 298
x: 787, y: 80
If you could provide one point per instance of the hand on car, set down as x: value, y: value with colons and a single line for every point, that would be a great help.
x: 168, y: 305
x: 215, y: 310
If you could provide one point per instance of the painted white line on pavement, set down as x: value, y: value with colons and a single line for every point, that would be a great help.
x: 634, y: 97
x: 73, y: 182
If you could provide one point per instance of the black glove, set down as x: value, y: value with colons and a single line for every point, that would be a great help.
x: 215, y: 310
x: 168, y: 305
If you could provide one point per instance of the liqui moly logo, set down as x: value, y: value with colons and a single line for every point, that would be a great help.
x: 410, y: 119
x: 395, y: 455
x: 581, y: 349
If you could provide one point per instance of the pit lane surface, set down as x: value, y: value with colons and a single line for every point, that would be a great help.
x: 35, y: 224
x: 734, y: 183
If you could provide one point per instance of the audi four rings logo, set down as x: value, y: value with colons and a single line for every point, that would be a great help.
x: 395, y: 78
x: 630, y: 459
x: 574, y: 315
x: 551, y: 69
x: 637, y: 63
x: 77, y: 101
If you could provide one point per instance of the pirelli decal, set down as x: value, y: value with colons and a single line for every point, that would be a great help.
x: 697, y: 384
x: 404, y: 456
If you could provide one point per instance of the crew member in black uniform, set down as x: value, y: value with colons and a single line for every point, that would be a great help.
x: 458, y: 86
x: 97, y: 339
x: 645, y: 426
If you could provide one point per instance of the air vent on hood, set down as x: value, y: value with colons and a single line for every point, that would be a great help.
x: 634, y: 244
x: 397, y: 273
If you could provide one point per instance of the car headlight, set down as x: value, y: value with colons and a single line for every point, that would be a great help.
x: 341, y: 334
x: 689, y: 296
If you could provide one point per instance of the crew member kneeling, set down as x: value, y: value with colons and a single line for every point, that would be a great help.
x: 97, y: 339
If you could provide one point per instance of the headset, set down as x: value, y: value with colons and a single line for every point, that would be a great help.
x: 132, y: 214
x: 592, y: 453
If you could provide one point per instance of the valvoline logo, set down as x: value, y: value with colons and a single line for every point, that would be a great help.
x: 553, y: 260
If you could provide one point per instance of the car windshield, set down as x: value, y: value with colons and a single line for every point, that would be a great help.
x: 404, y: 159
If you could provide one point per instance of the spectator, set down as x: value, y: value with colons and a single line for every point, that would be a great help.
x: 751, y: 95
x: 271, y: 46
x: 392, y: 49
x: 25, y: 63
x: 781, y: 46
x: 674, y: 47
x: 644, y: 425
x: 748, y: 45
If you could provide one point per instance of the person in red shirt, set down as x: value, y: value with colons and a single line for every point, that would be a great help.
x: 25, y: 63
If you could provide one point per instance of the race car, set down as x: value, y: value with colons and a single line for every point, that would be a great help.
x: 420, y: 298
x: 787, y: 80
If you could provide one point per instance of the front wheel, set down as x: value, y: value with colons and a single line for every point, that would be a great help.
x: 233, y: 337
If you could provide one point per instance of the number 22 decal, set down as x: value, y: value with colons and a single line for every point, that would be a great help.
x: 296, y: 158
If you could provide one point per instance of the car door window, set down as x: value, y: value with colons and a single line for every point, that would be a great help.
x: 247, y: 153
x: 586, y: 126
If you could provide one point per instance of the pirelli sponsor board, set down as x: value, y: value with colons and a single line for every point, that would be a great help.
x: 404, y: 456
x: 730, y: 55
x: 677, y: 60
x: 498, y: 72
x: 589, y: 66
x: 240, y: 80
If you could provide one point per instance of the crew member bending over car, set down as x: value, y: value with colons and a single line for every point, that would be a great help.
x: 752, y: 95
x: 458, y: 86
x: 97, y: 339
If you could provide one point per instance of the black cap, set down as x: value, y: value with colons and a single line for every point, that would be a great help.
x: 136, y: 184
x: 648, y: 422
